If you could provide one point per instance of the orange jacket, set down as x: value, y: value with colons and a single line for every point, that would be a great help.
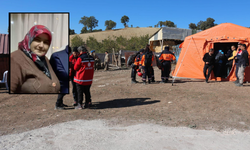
x: 143, y: 60
x: 166, y: 56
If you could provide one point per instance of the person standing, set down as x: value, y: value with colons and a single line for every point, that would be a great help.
x: 231, y: 58
x: 166, y: 57
x: 219, y: 61
x: 106, y: 61
x: 237, y: 66
x: 242, y: 62
x: 59, y: 63
x: 152, y: 72
x: 84, y: 68
x: 209, y: 60
x: 93, y: 54
x: 135, y: 66
x: 147, y: 63
x: 72, y: 60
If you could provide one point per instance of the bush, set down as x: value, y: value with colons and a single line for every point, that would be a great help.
x: 76, y: 41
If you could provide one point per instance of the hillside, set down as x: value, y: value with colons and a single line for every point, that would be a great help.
x: 126, y: 32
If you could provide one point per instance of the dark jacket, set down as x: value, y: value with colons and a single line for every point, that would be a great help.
x: 242, y: 58
x: 60, y: 65
x: 208, y: 58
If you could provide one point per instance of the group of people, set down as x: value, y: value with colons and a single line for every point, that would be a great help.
x: 143, y: 65
x: 97, y: 62
x: 215, y: 62
x: 33, y: 72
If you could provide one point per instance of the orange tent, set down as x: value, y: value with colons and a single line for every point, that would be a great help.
x: 194, y: 47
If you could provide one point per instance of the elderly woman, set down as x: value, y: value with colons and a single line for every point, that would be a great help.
x: 31, y: 71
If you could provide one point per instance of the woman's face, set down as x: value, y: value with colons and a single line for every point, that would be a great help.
x: 233, y: 48
x: 40, y: 45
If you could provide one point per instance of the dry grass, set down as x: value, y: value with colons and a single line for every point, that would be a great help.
x: 126, y: 32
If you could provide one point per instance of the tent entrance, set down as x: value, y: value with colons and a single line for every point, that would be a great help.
x: 222, y: 68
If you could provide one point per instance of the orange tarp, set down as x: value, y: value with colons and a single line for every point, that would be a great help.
x: 194, y: 47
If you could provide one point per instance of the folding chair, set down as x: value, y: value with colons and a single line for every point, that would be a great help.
x: 5, y: 79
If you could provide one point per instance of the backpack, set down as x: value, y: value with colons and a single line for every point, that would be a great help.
x: 219, y: 57
x: 131, y: 59
x: 148, y: 59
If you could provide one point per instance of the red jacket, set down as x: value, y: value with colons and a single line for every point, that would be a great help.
x: 84, y: 68
x: 72, y: 61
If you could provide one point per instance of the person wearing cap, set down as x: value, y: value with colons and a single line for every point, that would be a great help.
x: 241, y: 61
x: 106, y: 61
x: 135, y: 66
x: 92, y: 53
x: 209, y: 60
x: 72, y: 73
x: 219, y: 64
x: 166, y: 57
x: 60, y: 65
x: 84, y: 67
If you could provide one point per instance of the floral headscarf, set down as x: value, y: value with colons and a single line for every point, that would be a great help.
x: 24, y: 46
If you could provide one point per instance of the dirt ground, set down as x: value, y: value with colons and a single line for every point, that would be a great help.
x: 189, y: 103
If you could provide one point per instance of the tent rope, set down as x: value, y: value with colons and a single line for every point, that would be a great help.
x: 181, y: 63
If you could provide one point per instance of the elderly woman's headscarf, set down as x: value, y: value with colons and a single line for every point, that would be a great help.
x: 24, y: 46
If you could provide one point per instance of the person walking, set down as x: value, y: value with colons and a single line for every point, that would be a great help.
x: 242, y: 61
x: 209, y: 60
x: 84, y: 67
x: 166, y: 57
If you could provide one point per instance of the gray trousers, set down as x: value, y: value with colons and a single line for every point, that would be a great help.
x: 241, y: 71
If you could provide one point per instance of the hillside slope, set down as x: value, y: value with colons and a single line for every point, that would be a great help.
x: 126, y: 32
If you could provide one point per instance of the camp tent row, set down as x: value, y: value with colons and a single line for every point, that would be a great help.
x: 190, y: 63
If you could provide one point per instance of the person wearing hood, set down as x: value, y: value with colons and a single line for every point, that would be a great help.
x: 30, y: 70
x: 166, y: 57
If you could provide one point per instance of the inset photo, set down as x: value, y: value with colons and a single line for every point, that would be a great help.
x: 39, y: 53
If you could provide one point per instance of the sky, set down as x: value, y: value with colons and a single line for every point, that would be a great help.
x: 141, y: 13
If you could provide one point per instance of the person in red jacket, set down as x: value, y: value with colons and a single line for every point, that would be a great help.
x: 72, y: 72
x: 84, y: 68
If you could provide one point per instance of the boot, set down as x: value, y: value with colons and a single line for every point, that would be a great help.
x: 144, y: 82
x: 162, y: 81
x: 153, y: 79
x: 236, y: 82
x: 149, y: 82
x: 133, y: 81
